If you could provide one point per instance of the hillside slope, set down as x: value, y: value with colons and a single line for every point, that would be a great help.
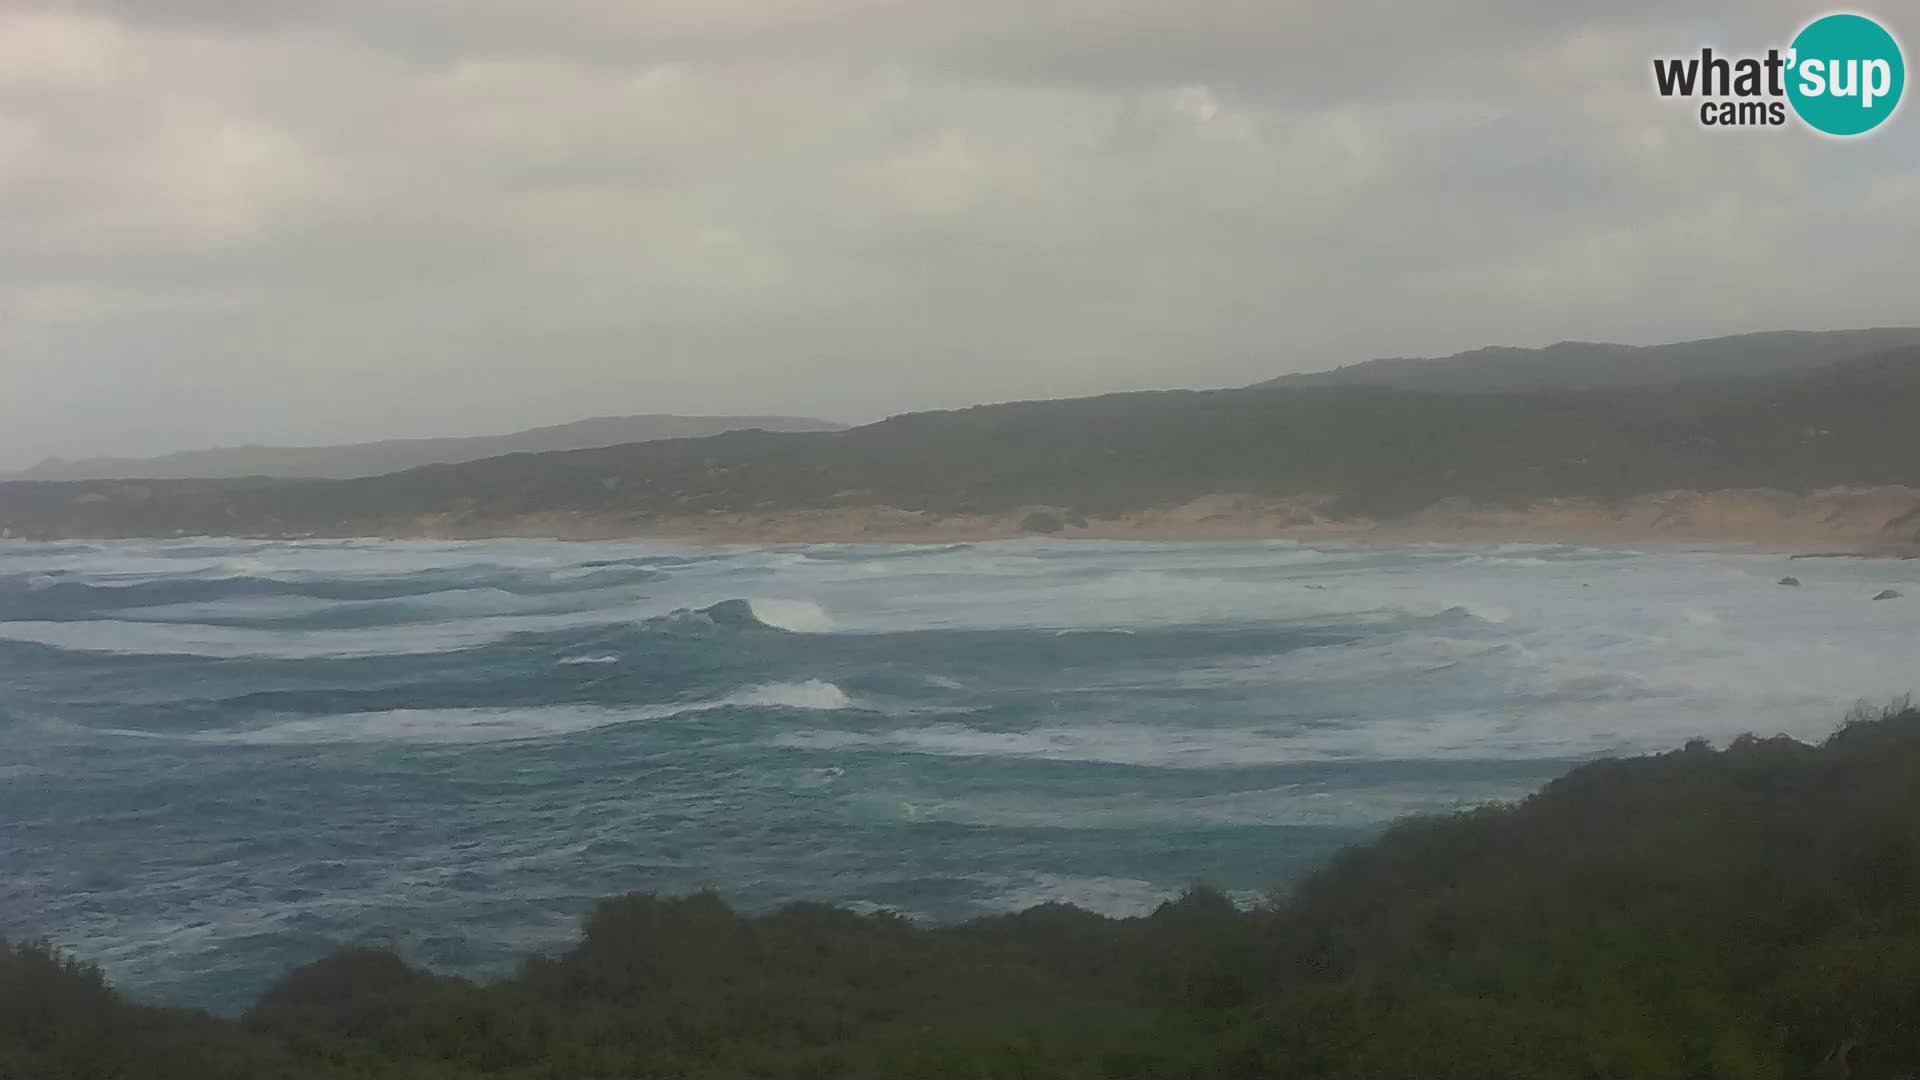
x: 1362, y: 451
x: 1586, y: 365
x: 395, y: 455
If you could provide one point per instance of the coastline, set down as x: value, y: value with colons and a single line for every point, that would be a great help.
x: 1860, y: 521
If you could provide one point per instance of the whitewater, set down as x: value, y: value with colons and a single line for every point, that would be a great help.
x: 222, y: 758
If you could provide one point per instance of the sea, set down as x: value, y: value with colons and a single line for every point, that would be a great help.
x: 220, y: 759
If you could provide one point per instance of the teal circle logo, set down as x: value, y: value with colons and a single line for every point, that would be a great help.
x: 1845, y: 74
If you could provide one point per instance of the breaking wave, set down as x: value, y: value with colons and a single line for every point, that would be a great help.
x: 491, y: 725
x: 793, y: 616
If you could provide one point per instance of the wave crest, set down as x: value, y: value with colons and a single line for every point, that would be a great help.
x: 810, y: 694
x: 793, y: 616
x: 487, y: 725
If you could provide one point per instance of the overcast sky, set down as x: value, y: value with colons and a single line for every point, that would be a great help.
x: 294, y: 221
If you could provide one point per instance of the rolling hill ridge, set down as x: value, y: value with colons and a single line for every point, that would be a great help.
x: 395, y: 455
x: 1588, y: 365
x: 1343, y: 452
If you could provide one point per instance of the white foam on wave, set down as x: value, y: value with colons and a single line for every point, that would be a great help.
x: 228, y: 569
x: 166, y: 638
x: 986, y: 589
x: 575, y: 573
x: 1690, y: 643
x: 131, y: 567
x: 1511, y: 561
x: 421, y: 726
x: 234, y: 642
x: 1379, y: 658
x: 577, y: 661
x: 121, y: 564
x: 491, y: 725
x: 1117, y: 897
x: 1492, y: 613
x: 248, y: 608
x: 810, y: 694
x: 1699, y: 617
x: 796, y: 616
x: 1336, y: 803
x: 435, y: 605
x: 1459, y: 735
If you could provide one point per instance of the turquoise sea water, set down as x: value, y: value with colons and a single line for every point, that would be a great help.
x: 220, y: 758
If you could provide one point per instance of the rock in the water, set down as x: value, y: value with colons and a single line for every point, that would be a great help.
x: 1794, y: 581
x: 1888, y: 595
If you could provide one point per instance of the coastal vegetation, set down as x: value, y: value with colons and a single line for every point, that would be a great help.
x: 1370, y: 452
x: 1749, y: 911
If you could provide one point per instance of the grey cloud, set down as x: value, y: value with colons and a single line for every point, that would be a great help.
x: 226, y: 221
x: 1346, y: 49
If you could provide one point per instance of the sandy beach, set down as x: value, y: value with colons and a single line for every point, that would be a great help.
x: 1879, y: 521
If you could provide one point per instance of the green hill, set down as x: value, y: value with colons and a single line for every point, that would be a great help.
x: 1742, y: 913
x: 1589, y: 365
x: 394, y: 455
x: 1374, y: 451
